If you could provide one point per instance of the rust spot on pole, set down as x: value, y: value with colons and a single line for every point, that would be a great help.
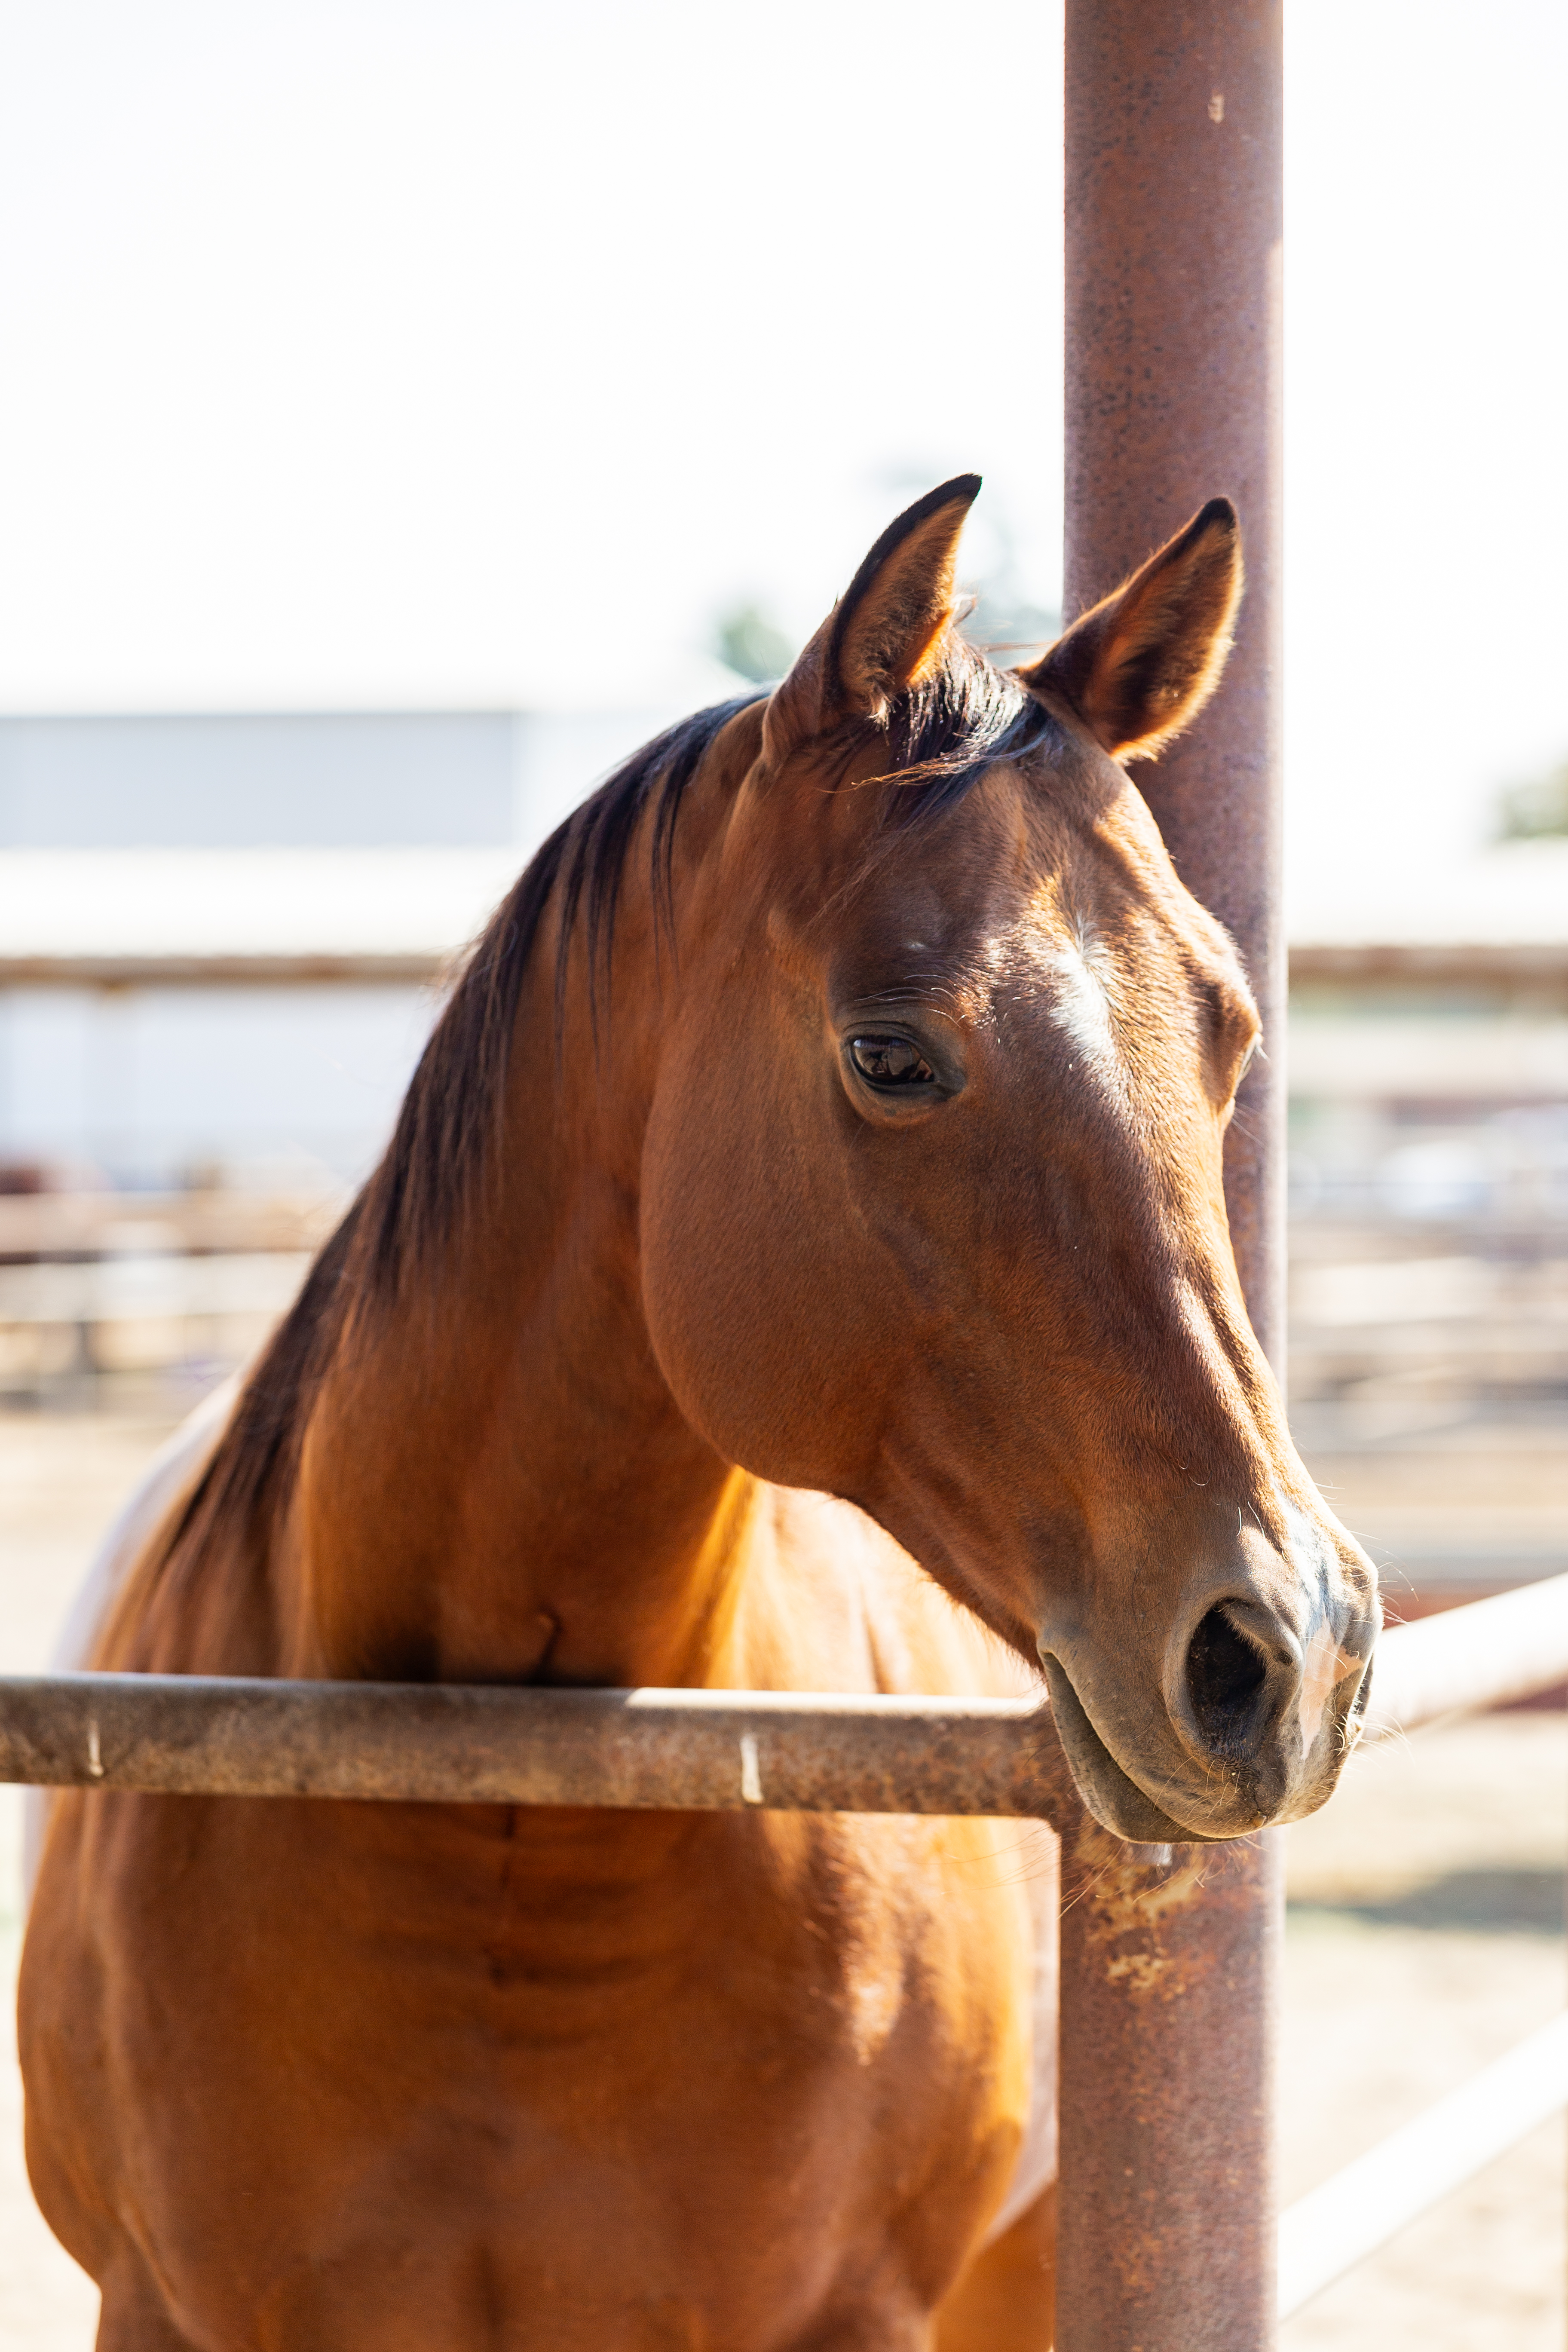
x: 1135, y: 1900
x: 1172, y: 336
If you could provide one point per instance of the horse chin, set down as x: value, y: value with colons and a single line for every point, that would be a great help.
x: 1112, y: 1796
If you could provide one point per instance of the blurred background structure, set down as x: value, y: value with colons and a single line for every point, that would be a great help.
x: 409, y: 408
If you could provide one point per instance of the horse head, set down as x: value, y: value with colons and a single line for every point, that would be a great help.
x: 932, y: 1202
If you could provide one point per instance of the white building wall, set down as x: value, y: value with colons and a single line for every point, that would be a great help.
x: 232, y: 781
x: 271, y: 1086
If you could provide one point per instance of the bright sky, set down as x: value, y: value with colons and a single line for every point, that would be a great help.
x: 403, y: 351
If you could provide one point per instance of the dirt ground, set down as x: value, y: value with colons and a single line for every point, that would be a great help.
x: 1425, y: 1937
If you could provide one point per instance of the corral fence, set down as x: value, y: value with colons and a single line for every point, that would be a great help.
x: 454, y: 1743
x: 1169, y: 2240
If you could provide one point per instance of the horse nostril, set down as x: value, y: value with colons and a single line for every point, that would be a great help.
x: 1225, y: 1676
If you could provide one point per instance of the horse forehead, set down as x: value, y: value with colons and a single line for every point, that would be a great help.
x: 1026, y: 888
x: 1040, y: 945
x: 1074, y: 947
x: 1125, y: 1002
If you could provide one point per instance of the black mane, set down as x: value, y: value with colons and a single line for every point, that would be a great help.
x: 440, y: 1145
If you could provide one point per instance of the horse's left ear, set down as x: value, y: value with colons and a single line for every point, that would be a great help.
x: 887, y: 630
x: 1143, y: 662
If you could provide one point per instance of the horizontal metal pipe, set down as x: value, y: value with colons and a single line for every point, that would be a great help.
x: 1329, y: 2231
x: 796, y: 1751
x: 467, y: 1743
x: 413, y: 967
x: 1481, y: 1655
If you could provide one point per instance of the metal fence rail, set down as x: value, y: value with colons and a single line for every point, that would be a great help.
x: 1487, y: 1654
x: 463, y: 1743
x: 198, y: 1735
x: 1483, y: 1655
x: 1336, y: 2225
x: 794, y: 1751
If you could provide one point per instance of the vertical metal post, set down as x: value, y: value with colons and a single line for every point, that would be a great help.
x: 1172, y: 355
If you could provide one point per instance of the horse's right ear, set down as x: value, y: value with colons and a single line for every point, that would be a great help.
x: 1145, y: 661
x: 887, y: 631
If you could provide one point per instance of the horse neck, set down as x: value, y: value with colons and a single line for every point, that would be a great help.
x: 494, y: 1481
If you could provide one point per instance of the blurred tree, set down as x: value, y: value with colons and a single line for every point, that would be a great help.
x: 747, y: 643
x: 1530, y: 809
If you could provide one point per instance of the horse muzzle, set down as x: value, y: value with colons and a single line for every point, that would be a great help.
x: 1248, y: 1724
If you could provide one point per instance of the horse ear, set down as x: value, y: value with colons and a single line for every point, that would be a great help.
x: 1142, y: 663
x: 887, y: 631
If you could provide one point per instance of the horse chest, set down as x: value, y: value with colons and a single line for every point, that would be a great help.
x: 659, y: 2059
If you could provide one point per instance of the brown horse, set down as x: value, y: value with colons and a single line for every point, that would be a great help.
x: 817, y: 1171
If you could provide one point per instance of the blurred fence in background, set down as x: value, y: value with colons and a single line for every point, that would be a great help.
x: 1429, y: 1257
x: 97, y: 1287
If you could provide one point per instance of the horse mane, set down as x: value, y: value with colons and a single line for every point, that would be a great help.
x: 938, y: 739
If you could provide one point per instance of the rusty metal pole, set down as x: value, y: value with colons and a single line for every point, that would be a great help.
x: 1173, y: 394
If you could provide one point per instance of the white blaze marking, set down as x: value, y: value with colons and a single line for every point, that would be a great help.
x: 751, y: 1769
x: 1082, y: 1010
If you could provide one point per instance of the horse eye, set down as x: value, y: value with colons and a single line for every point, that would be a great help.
x: 887, y: 1063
